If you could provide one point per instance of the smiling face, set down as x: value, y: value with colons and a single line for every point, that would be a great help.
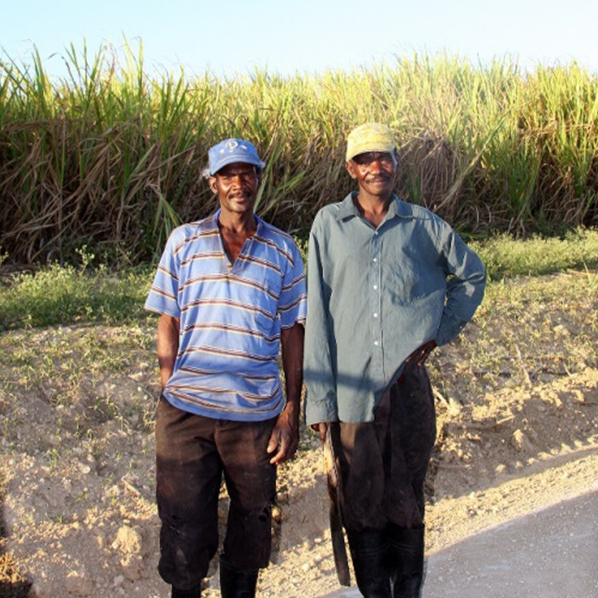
x: 374, y: 173
x: 236, y: 186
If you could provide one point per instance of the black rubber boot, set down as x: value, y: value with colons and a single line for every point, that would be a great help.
x: 193, y: 593
x: 236, y: 583
x: 406, y: 551
x: 369, y: 554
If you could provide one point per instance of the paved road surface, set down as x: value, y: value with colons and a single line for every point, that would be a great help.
x: 549, y: 554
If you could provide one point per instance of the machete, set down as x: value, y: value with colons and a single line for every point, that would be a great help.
x: 336, y: 524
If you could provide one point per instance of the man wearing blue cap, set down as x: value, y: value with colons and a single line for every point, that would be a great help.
x: 230, y: 291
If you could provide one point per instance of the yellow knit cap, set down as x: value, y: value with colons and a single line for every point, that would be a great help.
x: 369, y: 137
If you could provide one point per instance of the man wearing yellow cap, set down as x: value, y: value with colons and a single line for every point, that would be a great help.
x: 388, y: 282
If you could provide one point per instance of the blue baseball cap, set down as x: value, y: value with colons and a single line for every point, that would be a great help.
x: 232, y: 150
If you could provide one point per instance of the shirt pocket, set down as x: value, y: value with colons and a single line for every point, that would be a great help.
x: 409, y: 280
x: 271, y: 280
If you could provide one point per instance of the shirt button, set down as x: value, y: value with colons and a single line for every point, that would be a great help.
x: 376, y: 343
x: 375, y: 260
x: 375, y: 314
x: 375, y: 287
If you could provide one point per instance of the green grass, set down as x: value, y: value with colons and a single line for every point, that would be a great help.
x: 55, y: 294
x: 503, y: 256
x: 67, y: 294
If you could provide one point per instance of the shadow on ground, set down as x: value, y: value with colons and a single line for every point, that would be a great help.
x: 12, y: 584
x: 547, y: 554
x: 19, y: 589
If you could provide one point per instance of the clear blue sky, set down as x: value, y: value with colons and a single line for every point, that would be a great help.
x: 308, y: 36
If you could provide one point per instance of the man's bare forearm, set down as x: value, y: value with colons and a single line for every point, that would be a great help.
x: 168, y: 345
x: 292, y: 364
x: 285, y: 435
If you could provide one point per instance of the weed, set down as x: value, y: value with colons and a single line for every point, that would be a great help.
x: 53, y: 457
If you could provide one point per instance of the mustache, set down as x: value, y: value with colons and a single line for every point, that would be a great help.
x: 243, y: 194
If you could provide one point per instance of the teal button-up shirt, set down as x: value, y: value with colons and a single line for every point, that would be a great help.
x: 374, y: 295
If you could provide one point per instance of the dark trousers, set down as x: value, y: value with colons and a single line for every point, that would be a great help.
x: 192, y: 454
x: 383, y: 464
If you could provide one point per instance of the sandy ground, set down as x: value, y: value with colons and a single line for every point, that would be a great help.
x: 550, y: 553
x: 79, y: 509
x: 88, y: 524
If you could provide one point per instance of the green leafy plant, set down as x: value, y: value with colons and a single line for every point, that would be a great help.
x: 111, y: 158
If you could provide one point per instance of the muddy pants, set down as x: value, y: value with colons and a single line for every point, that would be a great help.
x: 192, y: 454
x: 383, y: 463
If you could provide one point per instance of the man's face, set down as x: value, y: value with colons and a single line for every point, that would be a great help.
x: 236, y: 186
x: 374, y: 172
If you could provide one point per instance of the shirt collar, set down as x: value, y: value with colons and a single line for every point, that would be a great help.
x: 214, y: 218
x: 397, y: 207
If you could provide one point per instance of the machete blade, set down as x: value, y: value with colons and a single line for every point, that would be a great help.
x: 339, y: 549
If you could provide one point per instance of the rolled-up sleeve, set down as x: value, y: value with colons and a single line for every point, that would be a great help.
x: 319, y: 376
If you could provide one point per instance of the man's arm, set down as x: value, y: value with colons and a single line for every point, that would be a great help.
x: 465, y: 288
x: 285, y: 436
x: 168, y: 345
x: 320, y: 378
x: 464, y: 293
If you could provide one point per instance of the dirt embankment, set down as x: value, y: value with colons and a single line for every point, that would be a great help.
x: 517, y: 401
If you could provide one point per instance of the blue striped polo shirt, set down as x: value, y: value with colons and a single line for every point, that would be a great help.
x: 230, y: 318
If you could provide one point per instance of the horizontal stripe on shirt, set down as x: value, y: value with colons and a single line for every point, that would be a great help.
x: 231, y: 316
x: 216, y: 278
x: 233, y: 330
x: 191, y: 402
x: 200, y: 372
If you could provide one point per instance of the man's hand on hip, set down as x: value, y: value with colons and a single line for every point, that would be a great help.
x: 420, y: 355
x: 285, y: 436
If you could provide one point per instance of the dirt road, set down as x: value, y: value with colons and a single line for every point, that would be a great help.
x: 549, y: 553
